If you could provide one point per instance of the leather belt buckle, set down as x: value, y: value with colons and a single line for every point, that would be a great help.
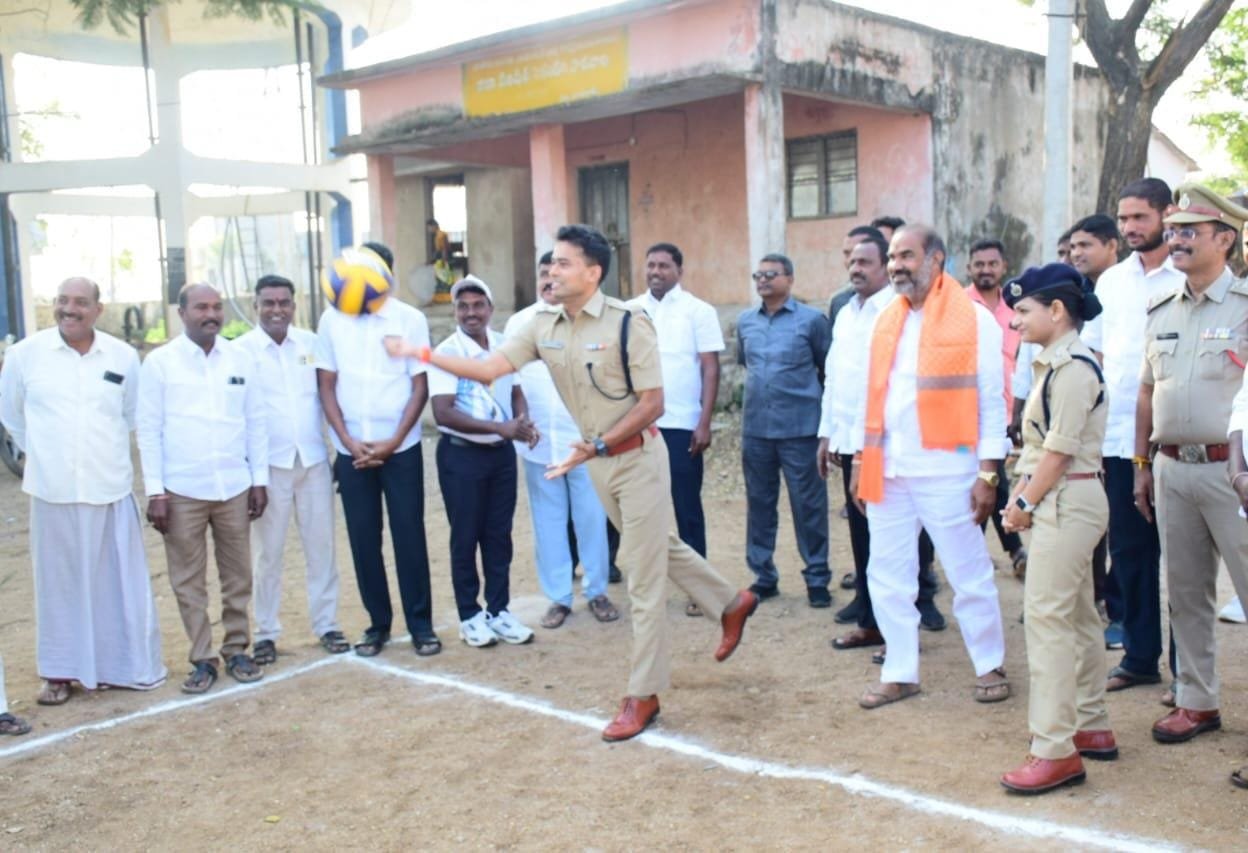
x: 1193, y: 454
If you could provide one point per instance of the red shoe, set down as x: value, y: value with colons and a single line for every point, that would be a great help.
x: 733, y: 621
x: 1040, y: 775
x: 635, y: 714
x: 1183, y: 724
x: 1097, y: 745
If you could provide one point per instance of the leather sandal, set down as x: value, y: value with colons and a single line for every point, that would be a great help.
x: 243, y: 669
x: 603, y: 609
x: 54, y: 693
x: 880, y: 695
x: 371, y: 644
x: 427, y: 646
x: 555, y: 616
x: 1121, y: 679
x: 264, y: 653
x: 997, y: 690
x: 202, y: 677
x: 11, y: 725
x: 334, y: 642
x: 1240, y: 777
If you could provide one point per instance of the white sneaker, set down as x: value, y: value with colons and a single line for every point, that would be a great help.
x: 476, y: 631
x: 509, y: 629
x: 1233, y: 612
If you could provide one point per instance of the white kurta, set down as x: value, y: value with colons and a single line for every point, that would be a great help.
x: 91, y: 574
x: 4, y: 699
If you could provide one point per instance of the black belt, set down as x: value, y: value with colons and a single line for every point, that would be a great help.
x: 463, y: 442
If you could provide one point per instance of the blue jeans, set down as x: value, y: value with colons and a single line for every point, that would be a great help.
x: 763, y: 459
x: 550, y: 504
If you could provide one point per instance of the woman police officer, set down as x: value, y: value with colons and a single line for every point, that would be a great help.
x: 1061, y: 499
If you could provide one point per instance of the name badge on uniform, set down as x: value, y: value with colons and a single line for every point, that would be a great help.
x: 307, y: 358
x: 237, y: 380
x: 115, y: 378
x: 550, y: 344
x: 1218, y: 334
x: 595, y: 347
x: 1168, y: 336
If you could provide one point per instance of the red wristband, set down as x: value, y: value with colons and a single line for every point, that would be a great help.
x: 424, y: 354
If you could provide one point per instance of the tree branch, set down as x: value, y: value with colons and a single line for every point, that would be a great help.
x: 1100, y: 31
x: 1182, y: 46
x: 1130, y: 22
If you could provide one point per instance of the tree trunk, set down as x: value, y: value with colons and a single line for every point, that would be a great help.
x: 1128, y: 122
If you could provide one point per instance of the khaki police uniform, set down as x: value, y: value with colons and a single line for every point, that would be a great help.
x: 1193, y: 342
x: 1065, y: 643
x: 583, y: 355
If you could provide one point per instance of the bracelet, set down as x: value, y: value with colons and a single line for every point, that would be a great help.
x: 424, y: 354
x: 1141, y: 462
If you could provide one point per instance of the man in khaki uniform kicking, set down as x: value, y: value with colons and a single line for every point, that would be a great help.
x: 604, y: 360
x: 1196, y: 345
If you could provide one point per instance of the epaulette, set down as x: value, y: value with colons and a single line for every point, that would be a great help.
x: 1240, y: 286
x: 1158, y: 301
x: 613, y: 302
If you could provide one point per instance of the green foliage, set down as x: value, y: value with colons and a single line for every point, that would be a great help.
x: 123, y: 14
x: 1228, y: 77
x: 235, y: 329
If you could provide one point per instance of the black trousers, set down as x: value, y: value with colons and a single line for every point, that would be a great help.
x: 1010, y: 542
x: 479, y: 491
x: 686, y: 488
x: 860, y: 543
x: 1135, y: 564
x: 401, y: 480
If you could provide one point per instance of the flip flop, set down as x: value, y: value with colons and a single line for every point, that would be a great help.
x: 334, y: 642
x: 877, y: 698
x: 11, y: 725
x: 993, y: 691
x: 1121, y: 679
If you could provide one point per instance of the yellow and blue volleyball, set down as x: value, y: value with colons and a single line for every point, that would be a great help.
x: 357, y: 282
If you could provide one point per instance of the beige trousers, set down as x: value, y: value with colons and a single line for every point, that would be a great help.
x: 635, y: 490
x: 186, y: 551
x: 1198, y: 519
x: 1065, y: 639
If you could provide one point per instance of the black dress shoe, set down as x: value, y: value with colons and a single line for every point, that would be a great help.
x: 847, y: 580
x: 818, y: 596
x: 931, y: 619
x: 764, y: 592
x: 613, y: 574
x: 848, y: 615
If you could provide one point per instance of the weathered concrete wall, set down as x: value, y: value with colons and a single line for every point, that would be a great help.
x: 500, y: 232
x: 686, y: 186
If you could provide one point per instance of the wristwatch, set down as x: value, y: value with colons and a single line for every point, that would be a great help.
x: 1024, y: 504
x: 989, y: 477
x: 600, y: 447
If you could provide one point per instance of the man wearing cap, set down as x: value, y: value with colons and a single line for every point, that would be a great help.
x: 927, y: 444
x: 477, y: 470
x: 615, y: 400
x: 557, y: 503
x: 1196, y: 345
x: 1125, y: 291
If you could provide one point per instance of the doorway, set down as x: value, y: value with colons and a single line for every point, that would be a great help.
x: 604, y: 205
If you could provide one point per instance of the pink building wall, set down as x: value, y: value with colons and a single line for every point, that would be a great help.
x: 894, y: 179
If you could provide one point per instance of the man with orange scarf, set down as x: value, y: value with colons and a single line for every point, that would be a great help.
x: 930, y: 437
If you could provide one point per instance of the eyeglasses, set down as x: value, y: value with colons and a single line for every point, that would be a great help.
x: 1188, y: 233
x: 767, y: 275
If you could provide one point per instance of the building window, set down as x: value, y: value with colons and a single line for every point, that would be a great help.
x: 823, y: 175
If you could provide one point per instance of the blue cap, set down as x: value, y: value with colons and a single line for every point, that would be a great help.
x: 1050, y: 277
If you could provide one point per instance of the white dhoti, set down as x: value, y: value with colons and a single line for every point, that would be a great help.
x: 308, y: 493
x: 96, y: 620
x: 4, y: 699
x: 942, y: 505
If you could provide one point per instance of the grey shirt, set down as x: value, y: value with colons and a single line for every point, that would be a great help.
x: 783, y: 356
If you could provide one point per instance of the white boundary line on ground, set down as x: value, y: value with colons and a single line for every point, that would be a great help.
x: 1004, y: 823
x: 157, y: 710
x: 855, y: 784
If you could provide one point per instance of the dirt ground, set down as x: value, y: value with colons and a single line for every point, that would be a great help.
x: 353, y: 755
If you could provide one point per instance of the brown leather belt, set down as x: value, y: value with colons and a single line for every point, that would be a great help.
x: 631, y: 443
x: 1091, y: 475
x: 1196, y: 453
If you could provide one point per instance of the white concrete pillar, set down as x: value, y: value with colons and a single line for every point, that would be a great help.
x: 383, y: 199
x: 1059, y: 75
x: 548, y: 160
x: 764, y: 173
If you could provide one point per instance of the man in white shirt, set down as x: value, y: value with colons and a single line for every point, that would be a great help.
x: 373, y: 403
x: 1125, y: 291
x: 205, y: 457
x: 690, y: 341
x: 927, y: 442
x: 68, y: 397
x: 477, y: 470
x: 300, y: 480
x: 552, y: 502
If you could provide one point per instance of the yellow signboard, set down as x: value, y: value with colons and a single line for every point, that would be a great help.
x: 547, y: 76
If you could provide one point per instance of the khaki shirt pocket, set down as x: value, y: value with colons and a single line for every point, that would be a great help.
x: 1213, y: 359
x: 603, y: 371
x: 1161, y: 358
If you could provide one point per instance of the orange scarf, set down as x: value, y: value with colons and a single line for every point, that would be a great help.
x: 948, y: 388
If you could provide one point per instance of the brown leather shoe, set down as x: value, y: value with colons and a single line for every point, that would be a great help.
x: 1184, y: 724
x: 1098, y: 745
x: 858, y: 638
x: 733, y: 621
x: 1040, y: 775
x: 635, y: 715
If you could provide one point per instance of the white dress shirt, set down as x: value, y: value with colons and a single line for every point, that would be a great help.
x: 72, y: 415
x: 1125, y: 291
x: 1020, y: 388
x: 904, y: 454
x: 201, y: 424
x: 1239, y: 416
x: 845, y: 369
x: 373, y: 388
x: 687, y: 327
x: 286, y: 374
x: 546, y: 408
x: 475, y: 399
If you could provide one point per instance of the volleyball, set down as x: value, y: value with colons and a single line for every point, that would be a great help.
x: 357, y: 282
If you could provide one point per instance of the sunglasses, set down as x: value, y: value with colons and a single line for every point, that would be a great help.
x: 767, y: 275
